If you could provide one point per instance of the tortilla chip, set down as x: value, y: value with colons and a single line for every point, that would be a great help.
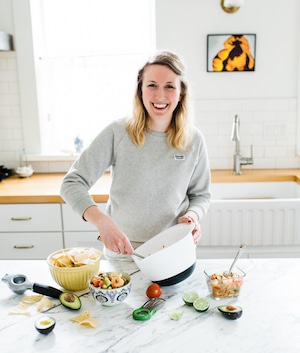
x: 32, y: 299
x: 20, y: 309
x: 28, y: 300
x: 63, y: 261
x: 91, y: 322
x: 85, y: 319
x: 83, y: 316
x: 76, y: 257
x: 78, y: 260
x: 44, y: 303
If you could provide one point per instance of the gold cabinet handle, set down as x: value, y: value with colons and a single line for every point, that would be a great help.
x: 21, y: 218
x: 23, y: 246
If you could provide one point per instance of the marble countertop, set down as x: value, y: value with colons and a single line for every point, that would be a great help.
x: 270, y: 323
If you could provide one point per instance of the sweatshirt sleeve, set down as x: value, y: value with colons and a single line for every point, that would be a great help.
x: 86, y: 170
x: 199, y: 193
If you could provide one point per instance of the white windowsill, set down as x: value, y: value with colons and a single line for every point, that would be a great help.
x: 52, y: 158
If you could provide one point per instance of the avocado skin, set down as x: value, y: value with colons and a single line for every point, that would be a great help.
x: 74, y: 305
x: 231, y: 314
x: 44, y: 330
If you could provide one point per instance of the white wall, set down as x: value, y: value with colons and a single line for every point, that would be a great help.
x: 11, y: 136
x: 266, y: 100
x: 183, y: 25
x: 6, y: 23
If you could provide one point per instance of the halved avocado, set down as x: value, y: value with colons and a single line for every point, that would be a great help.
x: 45, y: 324
x: 231, y: 312
x: 70, y: 300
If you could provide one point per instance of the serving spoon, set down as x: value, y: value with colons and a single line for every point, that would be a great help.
x: 241, y: 249
x: 138, y: 255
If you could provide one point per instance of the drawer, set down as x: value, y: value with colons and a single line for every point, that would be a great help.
x: 82, y: 239
x: 30, y: 217
x: 73, y: 222
x: 29, y: 245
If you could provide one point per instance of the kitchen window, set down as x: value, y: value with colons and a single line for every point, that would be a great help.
x: 85, y: 58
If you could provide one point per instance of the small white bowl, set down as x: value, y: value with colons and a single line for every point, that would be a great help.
x: 25, y: 172
x: 111, y: 297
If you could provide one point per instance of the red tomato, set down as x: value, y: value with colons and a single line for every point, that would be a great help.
x: 154, y: 291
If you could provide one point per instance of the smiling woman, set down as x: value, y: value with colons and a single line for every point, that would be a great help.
x: 161, y: 92
x: 81, y: 57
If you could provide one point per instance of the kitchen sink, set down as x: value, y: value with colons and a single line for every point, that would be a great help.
x: 255, y: 190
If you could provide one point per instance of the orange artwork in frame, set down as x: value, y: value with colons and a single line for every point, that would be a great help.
x: 231, y: 52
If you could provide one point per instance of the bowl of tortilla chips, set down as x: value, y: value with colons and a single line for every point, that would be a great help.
x: 72, y: 268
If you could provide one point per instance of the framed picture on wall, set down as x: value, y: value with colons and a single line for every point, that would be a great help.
x: 231, y: 52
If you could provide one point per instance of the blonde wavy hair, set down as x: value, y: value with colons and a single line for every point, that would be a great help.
x: 178, y: 132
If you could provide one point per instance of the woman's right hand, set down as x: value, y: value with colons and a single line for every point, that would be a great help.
x: 111, y: 235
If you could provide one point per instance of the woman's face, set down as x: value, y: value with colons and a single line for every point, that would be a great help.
x: 160, y: 95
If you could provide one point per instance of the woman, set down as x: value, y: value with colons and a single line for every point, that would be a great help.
x: 160, y: 170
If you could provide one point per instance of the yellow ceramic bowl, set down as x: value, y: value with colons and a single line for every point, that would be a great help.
x: 76, y: 277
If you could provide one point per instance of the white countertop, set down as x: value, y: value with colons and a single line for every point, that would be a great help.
x: 270, y: 323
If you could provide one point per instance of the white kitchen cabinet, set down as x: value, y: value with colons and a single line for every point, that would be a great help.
x: 29, y: 245
x: 30, y: 217
x: 78, y: 232
x: 72, y: 222
x: 30, y: 231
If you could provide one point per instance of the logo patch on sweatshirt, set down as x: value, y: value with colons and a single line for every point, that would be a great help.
x: 179, y: 157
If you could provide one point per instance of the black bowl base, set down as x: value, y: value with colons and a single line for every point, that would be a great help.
x: 177, y: 278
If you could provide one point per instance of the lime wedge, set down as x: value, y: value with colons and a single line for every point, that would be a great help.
x: 176, y: 315
x: 201, y: 304
x: 189, y: 297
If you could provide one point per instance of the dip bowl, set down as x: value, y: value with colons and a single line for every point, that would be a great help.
x: 220, y: 285
x: 118, y: 288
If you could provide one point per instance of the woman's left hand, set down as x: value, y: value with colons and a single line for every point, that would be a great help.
x: 190, y: 218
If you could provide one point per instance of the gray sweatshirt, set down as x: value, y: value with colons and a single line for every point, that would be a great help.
x: 151, y: 186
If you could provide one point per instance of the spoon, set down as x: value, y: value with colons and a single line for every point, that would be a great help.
x: 138, y: 255
x: 242, y: 248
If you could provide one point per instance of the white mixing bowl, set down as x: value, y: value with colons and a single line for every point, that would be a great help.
x: 170, y: 256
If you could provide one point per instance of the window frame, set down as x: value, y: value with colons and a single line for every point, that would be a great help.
x: 28, y: 85
x: 27, y: 76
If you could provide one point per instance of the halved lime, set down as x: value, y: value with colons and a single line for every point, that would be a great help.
x: 201, y: 304
x: 176, y: 315
x: 190, y: 297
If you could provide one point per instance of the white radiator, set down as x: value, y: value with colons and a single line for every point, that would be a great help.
x: 254, y: 222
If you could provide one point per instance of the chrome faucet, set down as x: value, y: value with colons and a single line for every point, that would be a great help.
x: 238, y: 159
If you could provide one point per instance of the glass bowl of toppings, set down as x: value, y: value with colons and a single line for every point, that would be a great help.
x: 72, y: 268
x: 223, y: 285
x: 110, y: 288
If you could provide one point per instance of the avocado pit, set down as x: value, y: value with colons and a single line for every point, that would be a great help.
x: 231, y: 312
x: 70, y: 300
